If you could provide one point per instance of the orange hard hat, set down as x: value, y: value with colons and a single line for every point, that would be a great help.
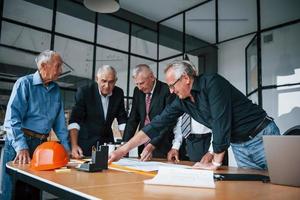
x: 49, y: 155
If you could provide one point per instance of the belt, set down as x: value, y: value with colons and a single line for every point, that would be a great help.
x: 263, y: 124
x: 33, y: 134
x: 199, y: 136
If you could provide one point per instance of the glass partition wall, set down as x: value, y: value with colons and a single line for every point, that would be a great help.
x: 88, y: 40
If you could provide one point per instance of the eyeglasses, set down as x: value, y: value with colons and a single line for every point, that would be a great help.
x: 172, y: 86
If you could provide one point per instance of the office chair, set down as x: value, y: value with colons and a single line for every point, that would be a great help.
x: 293, y: 131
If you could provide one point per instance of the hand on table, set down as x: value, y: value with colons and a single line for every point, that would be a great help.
x: 173, y: 156
x: 147, y: 152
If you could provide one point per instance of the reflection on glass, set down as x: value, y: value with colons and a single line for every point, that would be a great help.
x: 15, y: 63
x: 236, y: 18
x: 78, y: 56
x: 143, y: 42
x: 281, y: 56
x: 113, y: 32
x: 200, y: 25
x: 117, y: 60
x: 75, y: 20
x: 251, y: 51
x: 286, y: 115
x: 38, y: 13
x: 278, y: 12
x: 170, y: 37
x: 136, y: 61
x: 26, y: 38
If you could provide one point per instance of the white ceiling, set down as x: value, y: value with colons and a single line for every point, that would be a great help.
x: 157, y: 10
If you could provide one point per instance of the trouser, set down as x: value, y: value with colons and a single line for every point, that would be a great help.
x: 197, y: 145
x: 251, y: 154
x: 24, y: 191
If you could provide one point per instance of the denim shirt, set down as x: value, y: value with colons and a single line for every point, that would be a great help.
x: 36, y: 107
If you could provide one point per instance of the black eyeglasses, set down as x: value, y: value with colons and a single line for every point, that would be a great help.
x: 172, y: 86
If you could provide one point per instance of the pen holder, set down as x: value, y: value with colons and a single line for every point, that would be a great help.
x: 100, y: 157
x: 98, y: 162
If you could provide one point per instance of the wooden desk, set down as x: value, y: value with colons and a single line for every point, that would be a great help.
x: 111, y: 184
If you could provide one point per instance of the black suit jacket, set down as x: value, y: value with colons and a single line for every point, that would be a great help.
x: 88, y: 113
x: 160, y: 98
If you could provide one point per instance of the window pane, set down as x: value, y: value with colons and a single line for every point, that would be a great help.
x: 274, y: 12
x: 143, y: 41
x: 37, y: 13
x: 68, y: 98
x: 75, y: 20
x: 170, y: 37
x: 113, y: 32
x: 254, y: 97
x: 251, y: 52
x: 5, y: 90
x: 194, y: 60
x: 163, y: 65
x: 281, y: 56
x: 117, y: 60
x: 26, y: 38
x: 15, y: 63
x: 80, y: 57
x: 236, y: 18
x: 200, y: 27
x: 136, y: 61
x: 286, y: 115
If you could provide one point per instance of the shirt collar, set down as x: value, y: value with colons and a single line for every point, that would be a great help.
x: 196, y: 84
x: 103, y: 95
x: 153, y: 87
x: 37, y: 80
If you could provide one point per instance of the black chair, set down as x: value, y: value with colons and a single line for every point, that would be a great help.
x: 293, y: 131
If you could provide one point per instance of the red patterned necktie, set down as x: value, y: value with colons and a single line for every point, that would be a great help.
x: 148, y: 102
x: 147, y: 119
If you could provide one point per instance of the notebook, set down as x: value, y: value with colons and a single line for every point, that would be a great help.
x: 282, y: 154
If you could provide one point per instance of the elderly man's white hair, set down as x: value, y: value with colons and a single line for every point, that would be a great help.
x: 139, y: 68
x: 44, y: 57
x: 182, y: 66
x: 106, y: 68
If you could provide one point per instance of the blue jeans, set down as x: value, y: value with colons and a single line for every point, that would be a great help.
x: 9, y: 155
x: 251, y: 154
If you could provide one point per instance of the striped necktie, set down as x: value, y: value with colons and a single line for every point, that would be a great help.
x: 185, y: 125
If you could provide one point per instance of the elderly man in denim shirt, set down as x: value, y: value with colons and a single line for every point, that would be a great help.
x: 34, y: 108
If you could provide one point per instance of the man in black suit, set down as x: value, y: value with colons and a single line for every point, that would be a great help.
x: 159, y: 97
x: 97, y: 105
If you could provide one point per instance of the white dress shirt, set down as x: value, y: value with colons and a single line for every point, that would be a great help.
x: 105, y: 102
x: 196, y: 128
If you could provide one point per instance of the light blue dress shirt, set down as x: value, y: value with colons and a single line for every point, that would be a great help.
x: 37, y: 107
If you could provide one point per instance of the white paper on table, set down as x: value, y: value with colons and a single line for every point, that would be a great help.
x: 146, y: 166
x: 183, y: 177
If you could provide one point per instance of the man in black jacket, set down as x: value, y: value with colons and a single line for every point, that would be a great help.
x: 149, y: 98
x: 214, y: 102
x: 97, y: 105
